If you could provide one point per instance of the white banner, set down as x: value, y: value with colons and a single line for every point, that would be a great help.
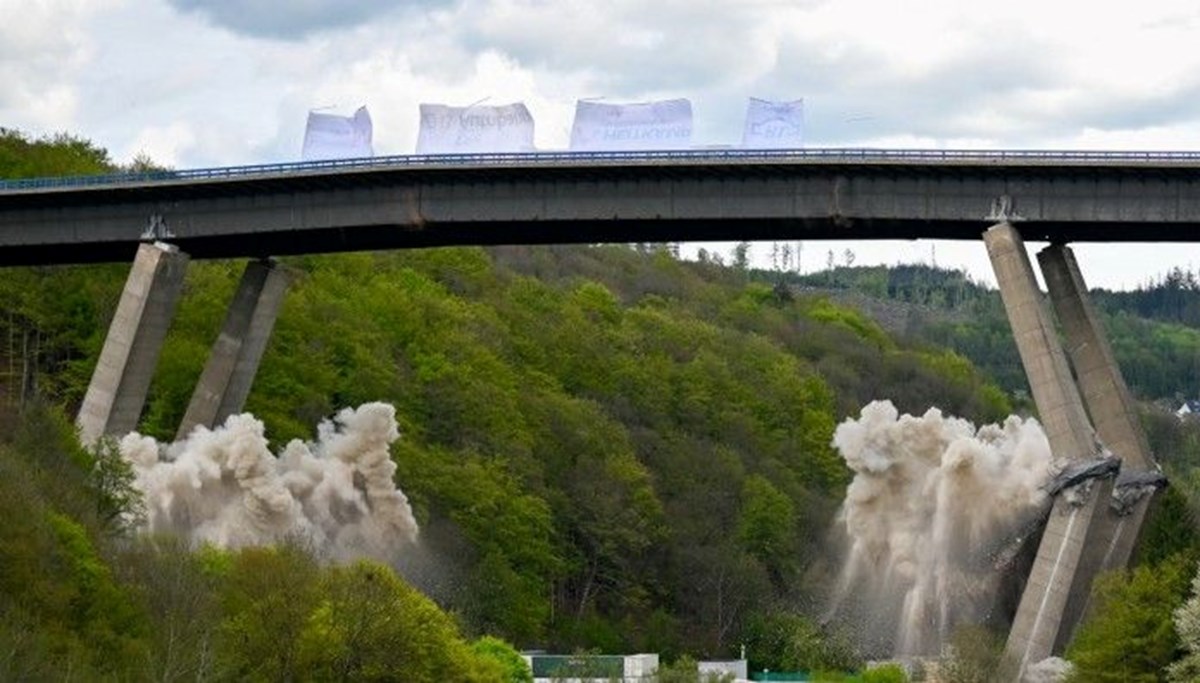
x: 774, y: 125
x: 666, y: 124
x: 461, y: 130
x: 328, y: 136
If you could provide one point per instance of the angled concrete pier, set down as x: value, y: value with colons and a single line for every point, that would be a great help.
x: 1061, y: 570
x: 114, y: 399
x: 1105, y: 393
x: 229, y: 373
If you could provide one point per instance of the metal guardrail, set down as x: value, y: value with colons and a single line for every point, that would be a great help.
x: 499, y: 160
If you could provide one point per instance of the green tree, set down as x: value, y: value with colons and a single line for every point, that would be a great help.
x: 766, y: 527
x: 178, y: 589
x: 102, y: 611
x: 785, y: 641
x: 372, y: 626
x: 1170, y: 529
x: 119, y: 503
x: 514, y: 669
x: 741, y: 256
x: 510, y: 530
x: 1187, y: 625
x: 52, y: 156
x: 267, y: 597
x: 1130, y: 636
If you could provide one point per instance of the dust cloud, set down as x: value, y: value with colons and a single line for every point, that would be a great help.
x: 1049, y: 670
x: 224, y: 487
x: 930, y: 520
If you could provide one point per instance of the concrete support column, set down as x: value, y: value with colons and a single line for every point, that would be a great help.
x: 1105, y: 394
x: 1058, y: 402
x: 115, y: 397
x: 229, y: 373
x: 1039, y: 627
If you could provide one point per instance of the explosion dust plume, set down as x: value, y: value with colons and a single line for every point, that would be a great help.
x: 933, y: 504
x: 223, y: 486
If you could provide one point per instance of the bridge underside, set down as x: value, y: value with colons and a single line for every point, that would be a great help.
x: 494, y: 233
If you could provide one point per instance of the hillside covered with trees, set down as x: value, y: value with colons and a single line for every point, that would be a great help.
x: 1154, y: 329
x: 607, y: 448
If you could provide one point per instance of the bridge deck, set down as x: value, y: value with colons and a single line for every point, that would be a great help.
x: 418, y: 201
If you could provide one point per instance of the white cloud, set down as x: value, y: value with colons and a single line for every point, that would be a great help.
x: 42, y: 45
x: 163, y: 144
x: 1151, y: 138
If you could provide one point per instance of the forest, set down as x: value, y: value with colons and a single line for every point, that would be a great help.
x: 608, y: 449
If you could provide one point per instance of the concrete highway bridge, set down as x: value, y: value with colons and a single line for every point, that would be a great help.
x: 420, y: 201
x: 162, y: 219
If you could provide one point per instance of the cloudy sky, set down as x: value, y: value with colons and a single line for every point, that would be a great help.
x: 221, y: 82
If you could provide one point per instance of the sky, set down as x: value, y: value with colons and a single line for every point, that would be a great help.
x: 195, y: 83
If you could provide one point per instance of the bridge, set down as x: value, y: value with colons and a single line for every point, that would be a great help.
x: 698, y: 195
x: 162, y: 219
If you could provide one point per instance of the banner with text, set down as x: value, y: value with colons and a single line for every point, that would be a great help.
x: 666, y: 124
x: 774, y: 125
x: 328, y: 136
x: 462, y: 130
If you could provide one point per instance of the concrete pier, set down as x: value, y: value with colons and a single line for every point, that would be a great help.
x: 229, y: 373
x: 1105, y: 393
x: 115, y: 397
x: 1059, y: 572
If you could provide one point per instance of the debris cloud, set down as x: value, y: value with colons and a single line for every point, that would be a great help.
x: 224, y: 487
x: 934, y: 515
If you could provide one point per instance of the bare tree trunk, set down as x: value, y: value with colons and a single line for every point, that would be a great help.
x: 26, y: 368
x: 587, y: 590
x: 12, y: 358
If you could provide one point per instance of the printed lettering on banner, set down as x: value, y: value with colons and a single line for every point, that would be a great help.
x: 774, y: 125
x: 599, y: 126
x: 464, y: 130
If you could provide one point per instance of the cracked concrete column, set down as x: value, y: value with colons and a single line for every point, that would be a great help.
x: 233, y: 362
x: 1105, y: 394
x: 1061, y: 569
x: 117, y: 392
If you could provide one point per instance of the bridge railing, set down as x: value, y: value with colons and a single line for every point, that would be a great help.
x: 580, y: 158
